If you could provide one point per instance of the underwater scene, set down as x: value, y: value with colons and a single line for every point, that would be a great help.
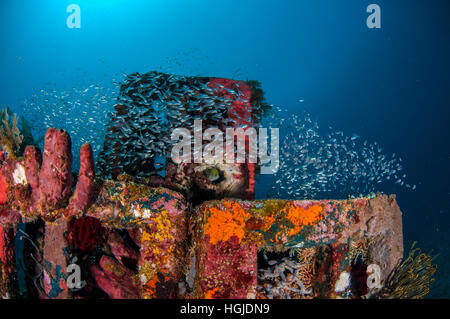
x: 172, y: 149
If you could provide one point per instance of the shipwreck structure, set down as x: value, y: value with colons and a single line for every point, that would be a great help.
x: 135, y: 234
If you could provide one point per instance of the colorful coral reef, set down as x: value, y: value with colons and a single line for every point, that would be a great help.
x: 329, y: 241
x: 133, y: 240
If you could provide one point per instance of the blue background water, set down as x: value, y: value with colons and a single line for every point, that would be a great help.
x: 390, y: 85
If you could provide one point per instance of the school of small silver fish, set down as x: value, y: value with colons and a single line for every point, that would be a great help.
x: 82, y: 111
x: 315, y: 163
x: 149, y: 108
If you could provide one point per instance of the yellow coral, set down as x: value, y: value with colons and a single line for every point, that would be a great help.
x: 153, y: 236
x: 159, y: 231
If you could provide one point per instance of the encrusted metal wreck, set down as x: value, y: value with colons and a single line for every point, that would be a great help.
x: 141, y: 236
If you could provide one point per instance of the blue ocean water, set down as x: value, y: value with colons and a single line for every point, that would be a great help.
x: 389, y: 85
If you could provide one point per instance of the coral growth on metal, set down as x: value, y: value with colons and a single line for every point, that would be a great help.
x: 139, y: 237
x: 315, y: 247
